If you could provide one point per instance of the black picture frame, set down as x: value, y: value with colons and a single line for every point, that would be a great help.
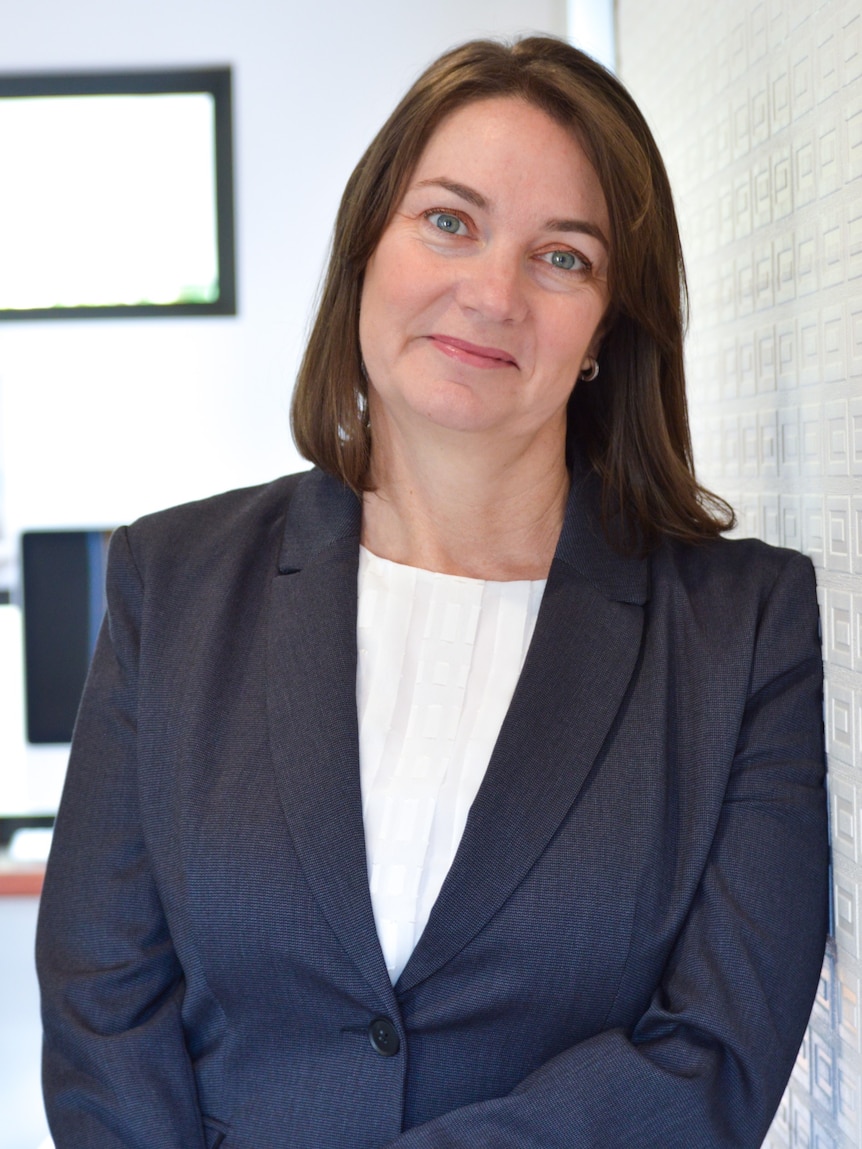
x: 215, y: 81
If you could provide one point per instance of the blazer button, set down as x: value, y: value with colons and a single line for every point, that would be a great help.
x: 384, y: 1037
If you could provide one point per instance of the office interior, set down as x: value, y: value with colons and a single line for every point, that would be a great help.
x: 757, y: 107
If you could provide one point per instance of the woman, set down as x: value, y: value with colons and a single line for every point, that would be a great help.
x: 468, y: 789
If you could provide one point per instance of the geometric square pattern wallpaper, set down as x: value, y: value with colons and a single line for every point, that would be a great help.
x: 757, y: 108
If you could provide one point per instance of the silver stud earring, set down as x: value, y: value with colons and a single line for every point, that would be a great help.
x: 591, y: 371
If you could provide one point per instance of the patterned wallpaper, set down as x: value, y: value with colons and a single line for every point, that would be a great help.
x: 758, y: 110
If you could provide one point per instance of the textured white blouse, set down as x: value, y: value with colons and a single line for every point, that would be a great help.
x: 439, y: 657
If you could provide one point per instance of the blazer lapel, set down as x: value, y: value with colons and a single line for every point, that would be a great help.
x: 581, y: 659
x: 577, y: 670
x: 311, y: 698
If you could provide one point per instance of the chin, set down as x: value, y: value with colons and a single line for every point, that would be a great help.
x: 460, y: 415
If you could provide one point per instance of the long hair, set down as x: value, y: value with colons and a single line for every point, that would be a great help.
x: 632, y: 421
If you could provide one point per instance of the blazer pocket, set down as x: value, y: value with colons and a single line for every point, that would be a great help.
x: 215, y: 1132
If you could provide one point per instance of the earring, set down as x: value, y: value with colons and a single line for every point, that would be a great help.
x: 591, y: 371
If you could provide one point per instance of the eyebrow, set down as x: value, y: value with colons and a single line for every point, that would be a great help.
x: 582, y: 225
x: 466, y: 193
x: 470, y: 195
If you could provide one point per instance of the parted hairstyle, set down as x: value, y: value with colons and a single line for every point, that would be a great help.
x: 631, y: 422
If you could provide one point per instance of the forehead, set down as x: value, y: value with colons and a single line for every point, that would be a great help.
x: 483, y: 115
x: 504, y: 147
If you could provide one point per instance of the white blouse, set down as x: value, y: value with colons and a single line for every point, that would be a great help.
x: 439, y: 657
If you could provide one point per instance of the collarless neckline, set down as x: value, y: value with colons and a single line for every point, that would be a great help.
x: 370, y: 556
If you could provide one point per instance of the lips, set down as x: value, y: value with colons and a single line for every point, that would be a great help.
x: 472, y: 353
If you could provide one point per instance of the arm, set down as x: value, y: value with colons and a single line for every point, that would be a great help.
x: 706, y: 1064
x: 116, y: 1071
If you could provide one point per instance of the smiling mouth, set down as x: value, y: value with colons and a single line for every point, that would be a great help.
x: 472, y: 353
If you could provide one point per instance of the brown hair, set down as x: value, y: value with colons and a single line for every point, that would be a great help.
x: 632, y: 422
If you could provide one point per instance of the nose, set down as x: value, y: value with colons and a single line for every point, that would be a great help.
x: 492, y: 286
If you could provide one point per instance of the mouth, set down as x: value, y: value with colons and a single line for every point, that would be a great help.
x: 472, y: 353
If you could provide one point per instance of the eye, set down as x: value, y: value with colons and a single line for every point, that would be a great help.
x: 566, y: 260
x: 447, y: 222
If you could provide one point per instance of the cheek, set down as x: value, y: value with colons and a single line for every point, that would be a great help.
x: 564, y: 349
x: 373, y: 308
x: 573, y: 335
x: 380, y: 302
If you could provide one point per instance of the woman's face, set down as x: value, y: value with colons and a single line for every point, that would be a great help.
x: 487, y: 290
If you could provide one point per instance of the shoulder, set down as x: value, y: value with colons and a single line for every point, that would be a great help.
x: 731, y: 569
x: 202, y: 567
x: 201, y: 535
x: 735, y: 597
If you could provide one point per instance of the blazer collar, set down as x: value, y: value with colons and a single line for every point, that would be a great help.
x: 584, y: 547
x: 324, y: 511
x: 578, y: 668
x: 311, y: 711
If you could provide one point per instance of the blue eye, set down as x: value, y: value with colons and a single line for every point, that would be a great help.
x: 445, y: 221
x: 565, y: 260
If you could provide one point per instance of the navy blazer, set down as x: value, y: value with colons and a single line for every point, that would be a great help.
x: 624, y: 952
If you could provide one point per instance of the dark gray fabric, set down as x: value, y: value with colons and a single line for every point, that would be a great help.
x: 624, y: 952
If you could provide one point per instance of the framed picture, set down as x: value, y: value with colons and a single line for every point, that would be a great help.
x: 117, y: 194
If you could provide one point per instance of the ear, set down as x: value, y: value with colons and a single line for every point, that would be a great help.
x: 589, y: 367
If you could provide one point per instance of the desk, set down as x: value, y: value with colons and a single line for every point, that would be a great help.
x: 20, y: 880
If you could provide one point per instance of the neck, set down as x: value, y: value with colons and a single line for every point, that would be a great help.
x: 467, y: 507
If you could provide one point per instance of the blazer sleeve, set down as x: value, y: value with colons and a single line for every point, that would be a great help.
x: 707, y: 1062
x: 115, y: 1067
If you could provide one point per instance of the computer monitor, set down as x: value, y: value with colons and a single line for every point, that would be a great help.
x: 63, y: 579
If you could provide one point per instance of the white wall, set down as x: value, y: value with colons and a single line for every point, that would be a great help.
x: 592, y: 29
x: 758, y: 109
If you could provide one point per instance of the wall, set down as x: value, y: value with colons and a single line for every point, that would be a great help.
x: 758, y: 110
x: 591, y: 28
x: 101, y: 421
